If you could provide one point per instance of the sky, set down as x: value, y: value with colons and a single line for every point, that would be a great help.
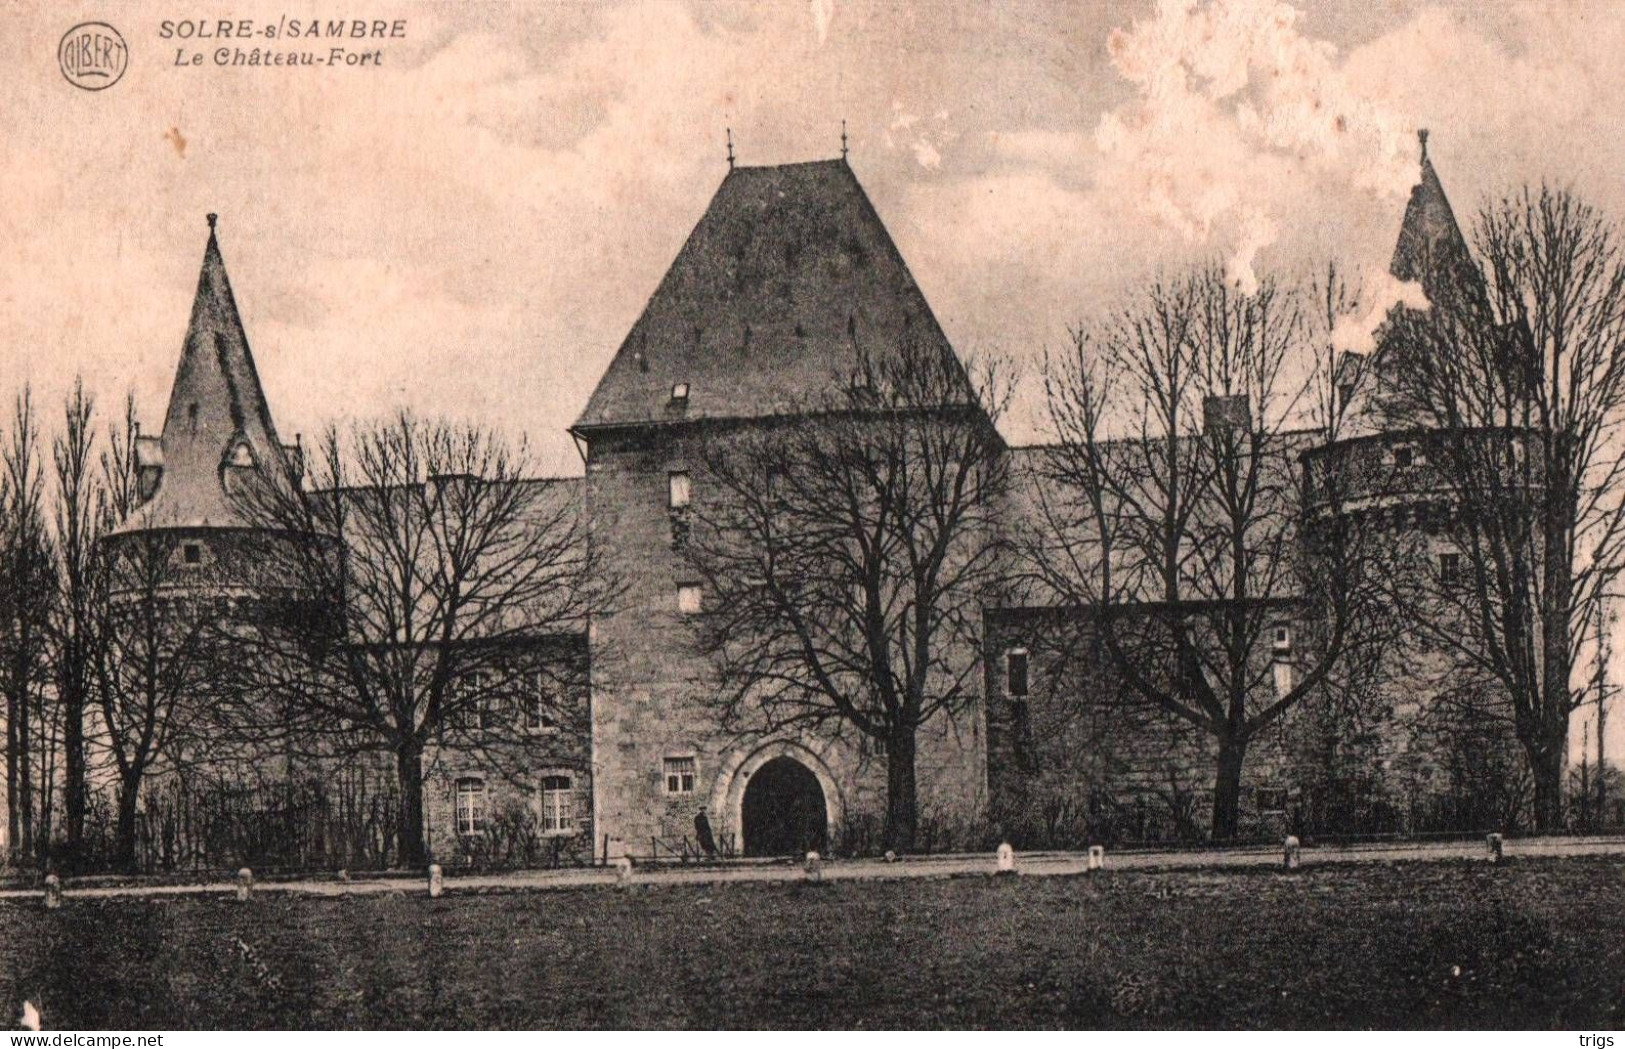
x: 469, y: 227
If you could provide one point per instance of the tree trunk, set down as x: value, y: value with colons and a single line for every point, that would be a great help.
x: 1227, y: 788
x: 23, y: 800
x: 73, y: 777
x: 124, y: 834
x: 1546, y: 747
x: 12, y: 830
x: 902, y: 800
x: 409, y: 771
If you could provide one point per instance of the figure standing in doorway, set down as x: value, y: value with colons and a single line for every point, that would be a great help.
x: 702, y: 833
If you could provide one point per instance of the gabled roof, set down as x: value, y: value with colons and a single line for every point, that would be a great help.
x: 789, y: 279
x: 218, y: 419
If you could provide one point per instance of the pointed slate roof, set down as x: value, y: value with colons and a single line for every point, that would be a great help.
x: 1431, y: 248
x: 788, y: 279
x: 1432, y: 251
x: 218, y: 418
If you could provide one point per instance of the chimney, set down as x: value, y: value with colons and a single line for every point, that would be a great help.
x: 1225, y: 413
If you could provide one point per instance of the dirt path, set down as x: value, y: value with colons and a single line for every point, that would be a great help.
x: 1038, y: 864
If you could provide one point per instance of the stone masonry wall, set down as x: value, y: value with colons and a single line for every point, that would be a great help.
x: 652, y: 686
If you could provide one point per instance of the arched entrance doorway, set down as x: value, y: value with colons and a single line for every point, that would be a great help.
x: 783, y: 811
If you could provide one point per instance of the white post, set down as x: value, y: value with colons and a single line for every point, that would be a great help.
x: 245, y: 883
x: 815, y: 867
x: 623, y: 871
x: 1097, y: 857
x: 437, y: 881
x: 1006, y: 861
x: 1289, y: 852
x: 53, y: 892
x: 1495, y: 847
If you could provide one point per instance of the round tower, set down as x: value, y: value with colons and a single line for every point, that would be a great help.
x: 194, y: 529
x: 1388, y: 470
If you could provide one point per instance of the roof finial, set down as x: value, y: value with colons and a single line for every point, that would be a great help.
x: 1422, y: 137
x: 843, y: 138
x: 212, y: 219
x: 730, y: 149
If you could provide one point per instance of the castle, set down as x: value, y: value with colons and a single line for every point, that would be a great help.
x: 783, y: 286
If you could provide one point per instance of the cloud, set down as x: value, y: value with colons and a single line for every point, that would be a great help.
x: 822, y: 12
x: 1232, y: 106
x: 1380, y: 291
x: 924, y: 142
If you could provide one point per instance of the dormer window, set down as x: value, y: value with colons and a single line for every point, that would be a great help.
x: 679, y: 391
x: 1282, y: 640
x: 241, y: 455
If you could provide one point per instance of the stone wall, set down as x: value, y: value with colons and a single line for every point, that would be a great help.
x: 654, y: 689
x: 1082, y: 759
x: 514, y: 761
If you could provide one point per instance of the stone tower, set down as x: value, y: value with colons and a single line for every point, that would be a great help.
x: 1442, y: 749
x: 217, y: 439
x: 788, y: 279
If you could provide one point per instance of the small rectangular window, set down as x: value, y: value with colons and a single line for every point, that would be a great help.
x: 540, y: 705
x: 689, y: 599
x: 1404, y: 456
x: 1282, y: 640
x: 1449, y: 567
x: 680, y: 775
x: 470, y: 806
x: 192, y: 553
x: 558, y: 805
x: 679, y: 391
x: 1015, y: 673
x: 677, y: 489
x: 473, y: 705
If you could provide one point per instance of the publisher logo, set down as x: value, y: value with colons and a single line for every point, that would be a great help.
x: 93, y: 56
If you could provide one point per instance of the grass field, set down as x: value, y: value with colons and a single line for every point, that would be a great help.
x: 1536, y: 943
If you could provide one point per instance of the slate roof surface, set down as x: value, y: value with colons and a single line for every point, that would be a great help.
x: 1432, y: 251
x: 788, y: 279
x: 217, y: 414
x: 1431, y: 248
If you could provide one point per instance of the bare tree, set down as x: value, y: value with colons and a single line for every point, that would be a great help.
x: 845, y: 556
x: 425, y: 575
x: 1516, y: 378
x: 155, y: 665
x: 80, y: 512
x: 27, y: 589
x: 1170, y: 511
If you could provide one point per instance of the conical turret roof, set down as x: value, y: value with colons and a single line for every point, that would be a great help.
x: 218, y: 419
x: 1431, y: 249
